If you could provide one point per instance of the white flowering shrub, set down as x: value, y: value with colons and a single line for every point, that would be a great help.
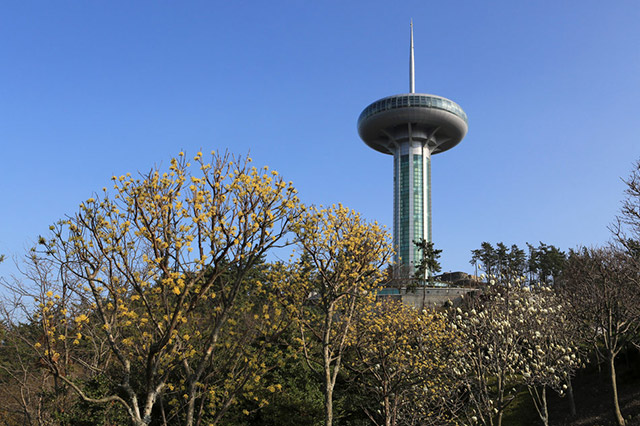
x: 549, y: 347
x: 511, y: 337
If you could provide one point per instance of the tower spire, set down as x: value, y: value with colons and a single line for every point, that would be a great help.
x: 412, y: 80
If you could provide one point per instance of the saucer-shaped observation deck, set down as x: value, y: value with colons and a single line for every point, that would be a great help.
x: 437, y: 122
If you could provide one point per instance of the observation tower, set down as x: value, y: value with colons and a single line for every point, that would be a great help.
x: 412, y: 127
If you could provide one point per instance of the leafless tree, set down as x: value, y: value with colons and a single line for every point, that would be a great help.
x: 602, y: 287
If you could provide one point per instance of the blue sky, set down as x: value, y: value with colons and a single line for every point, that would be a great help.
x: 551, y: 88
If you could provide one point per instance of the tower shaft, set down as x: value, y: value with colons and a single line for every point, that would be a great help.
x: 411, y: 201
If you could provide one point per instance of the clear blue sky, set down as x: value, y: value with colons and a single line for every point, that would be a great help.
x: 89, y: 89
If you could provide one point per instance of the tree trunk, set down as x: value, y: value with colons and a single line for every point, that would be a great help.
x: 387, y: 409
x: 614, y: 386
x: 329, y: 376
x: 545, y: 411
x: 328, y: 405
x: 501, y: 383
x: 328, y: 383
x: 191, y: 405
x: 540, y: 402
x: 572, y: 402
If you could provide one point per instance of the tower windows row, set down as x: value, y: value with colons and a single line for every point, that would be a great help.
x: 413, y: 100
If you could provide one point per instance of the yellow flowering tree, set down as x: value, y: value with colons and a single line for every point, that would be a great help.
x: 340, y: 268
x: 160, y: 268
x: 403, y: 358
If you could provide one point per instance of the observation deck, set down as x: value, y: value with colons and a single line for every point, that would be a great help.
x: 438, y: 122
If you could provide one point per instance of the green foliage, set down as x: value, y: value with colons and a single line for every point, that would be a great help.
x: 299, y: 400
x: 428, y: 264
x: 521, y: 411
x: 543, y: 264
x: 82, y: 413
x: 501, y: 263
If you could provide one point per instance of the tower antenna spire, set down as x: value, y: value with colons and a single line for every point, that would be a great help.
x: 412, y: 79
